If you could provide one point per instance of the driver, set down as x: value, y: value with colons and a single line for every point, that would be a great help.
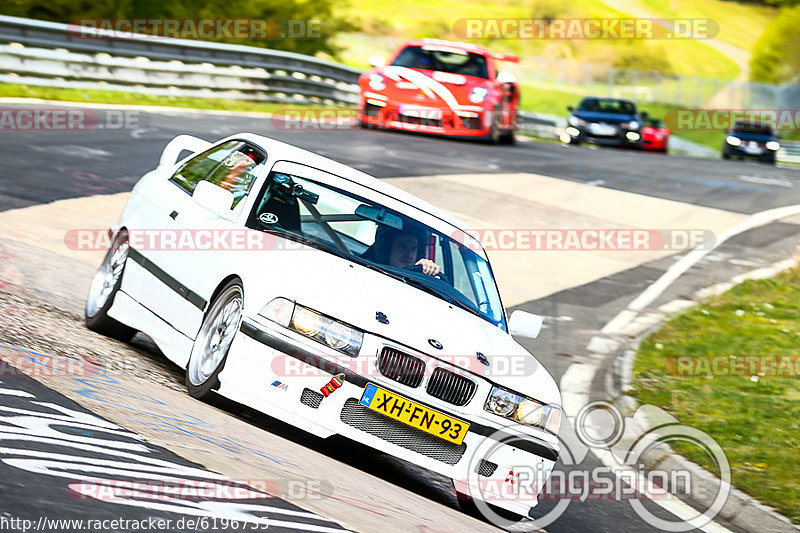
x: 400, y: 249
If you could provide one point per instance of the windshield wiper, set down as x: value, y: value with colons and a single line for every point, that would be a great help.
x: 441, y: 294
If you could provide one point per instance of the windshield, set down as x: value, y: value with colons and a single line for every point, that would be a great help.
x: 606, y: 105
x: 444, y: 60
x: 752, y: 127
x: 370, y: 234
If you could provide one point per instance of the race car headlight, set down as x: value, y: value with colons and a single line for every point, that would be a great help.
x: 633, y: 125
x: 523, y: 410
x: 325, y: 330
x: 772, y: 145
x: 376, y: 82
x: 478, y: 95
x: 733, y: 141
x: 575, y: 121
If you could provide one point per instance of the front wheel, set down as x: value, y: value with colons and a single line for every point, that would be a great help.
x: 104, y: 287
x: 210, y: 349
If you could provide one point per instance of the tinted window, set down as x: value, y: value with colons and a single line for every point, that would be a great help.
x: 607, y: 105
x: 456, y: 62
x: 232, y: 166
x: 750, y: 127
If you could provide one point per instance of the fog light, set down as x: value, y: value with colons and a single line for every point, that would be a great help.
x: 633, y: 136
x: 573, y: 131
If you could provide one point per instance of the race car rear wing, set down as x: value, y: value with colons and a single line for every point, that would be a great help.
x: 504, y: 57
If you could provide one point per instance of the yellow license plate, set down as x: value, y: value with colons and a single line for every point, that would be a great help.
x: 414, y: 414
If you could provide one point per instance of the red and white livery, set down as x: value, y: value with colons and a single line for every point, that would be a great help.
x: 441, y: 87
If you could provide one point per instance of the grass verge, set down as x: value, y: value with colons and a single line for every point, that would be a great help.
x: 754, y: 418
x: 125, y: 98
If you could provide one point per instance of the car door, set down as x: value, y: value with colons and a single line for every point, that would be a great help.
x: 182, y: 243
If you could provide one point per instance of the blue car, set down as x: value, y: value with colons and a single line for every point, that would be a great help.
x: 605, y: 121
x: 751, y: 140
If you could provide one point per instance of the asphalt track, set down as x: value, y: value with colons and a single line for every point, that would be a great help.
x: 41, y: 167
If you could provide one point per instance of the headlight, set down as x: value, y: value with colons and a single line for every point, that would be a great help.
x: 321, y: 328
x: 772, y: 145
x: 632, y: 136
x: 376, y: 82
x: 478, y: 95
x: 333, y: 333
x: 524, y: 410
x: 633, y: 125
x: 575, y: 121
x: 733, y: 141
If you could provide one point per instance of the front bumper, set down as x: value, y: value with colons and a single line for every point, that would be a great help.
x: 469, y: 121
x: 257, y: 374
x: 619, y: 138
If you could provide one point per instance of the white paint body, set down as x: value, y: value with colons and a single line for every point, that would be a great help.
x: 344, y: 290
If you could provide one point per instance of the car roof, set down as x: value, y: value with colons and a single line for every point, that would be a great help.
x: 449, y: 44
x: 608, y: 99
x: 295, y: 154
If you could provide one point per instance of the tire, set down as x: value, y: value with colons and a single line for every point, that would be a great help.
x: 725, y: 156
x: 494, y: 136
x: 508, y: 137
x: 104, y: 287
x: 210, y: 348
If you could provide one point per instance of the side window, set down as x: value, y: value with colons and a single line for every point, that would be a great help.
x: 232, y: 166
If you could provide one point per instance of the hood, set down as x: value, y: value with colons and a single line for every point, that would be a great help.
x: 429, y: 86
x: 354, y: 294
x: 608, y: 118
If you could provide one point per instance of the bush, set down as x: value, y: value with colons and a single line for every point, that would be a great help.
x: 776, y: 57
x: 642, y: 57
x: 317, y: 41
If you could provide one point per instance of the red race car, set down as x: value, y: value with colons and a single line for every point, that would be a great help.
x: 441, y: 87
x: 655, y: 135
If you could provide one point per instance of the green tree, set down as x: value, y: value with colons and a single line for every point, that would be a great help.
x: 776, y: 57
x: 316, y: 17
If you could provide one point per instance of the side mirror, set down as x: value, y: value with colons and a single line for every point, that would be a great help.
x: 522, y: 324
x: 570, y: 108
x: 181, y: 143
x: 376, y: 61
x: 213, y: 197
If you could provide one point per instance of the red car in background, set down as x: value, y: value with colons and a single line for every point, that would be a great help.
x: 441, y: 87
x: 655, y: 136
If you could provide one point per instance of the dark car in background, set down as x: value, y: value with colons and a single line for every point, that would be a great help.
x: 605, y: 121
x: 751, y: 140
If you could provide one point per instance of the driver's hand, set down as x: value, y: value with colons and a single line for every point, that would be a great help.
x: 429, y: 267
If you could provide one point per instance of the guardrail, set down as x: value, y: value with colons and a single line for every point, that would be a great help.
x: 789, y: 152
x: 48, y: 53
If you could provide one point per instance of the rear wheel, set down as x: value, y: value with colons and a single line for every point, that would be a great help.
x: 210, y: 349
x: 104, y: 287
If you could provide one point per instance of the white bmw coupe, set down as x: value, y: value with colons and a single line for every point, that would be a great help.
x: 335, y: 302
